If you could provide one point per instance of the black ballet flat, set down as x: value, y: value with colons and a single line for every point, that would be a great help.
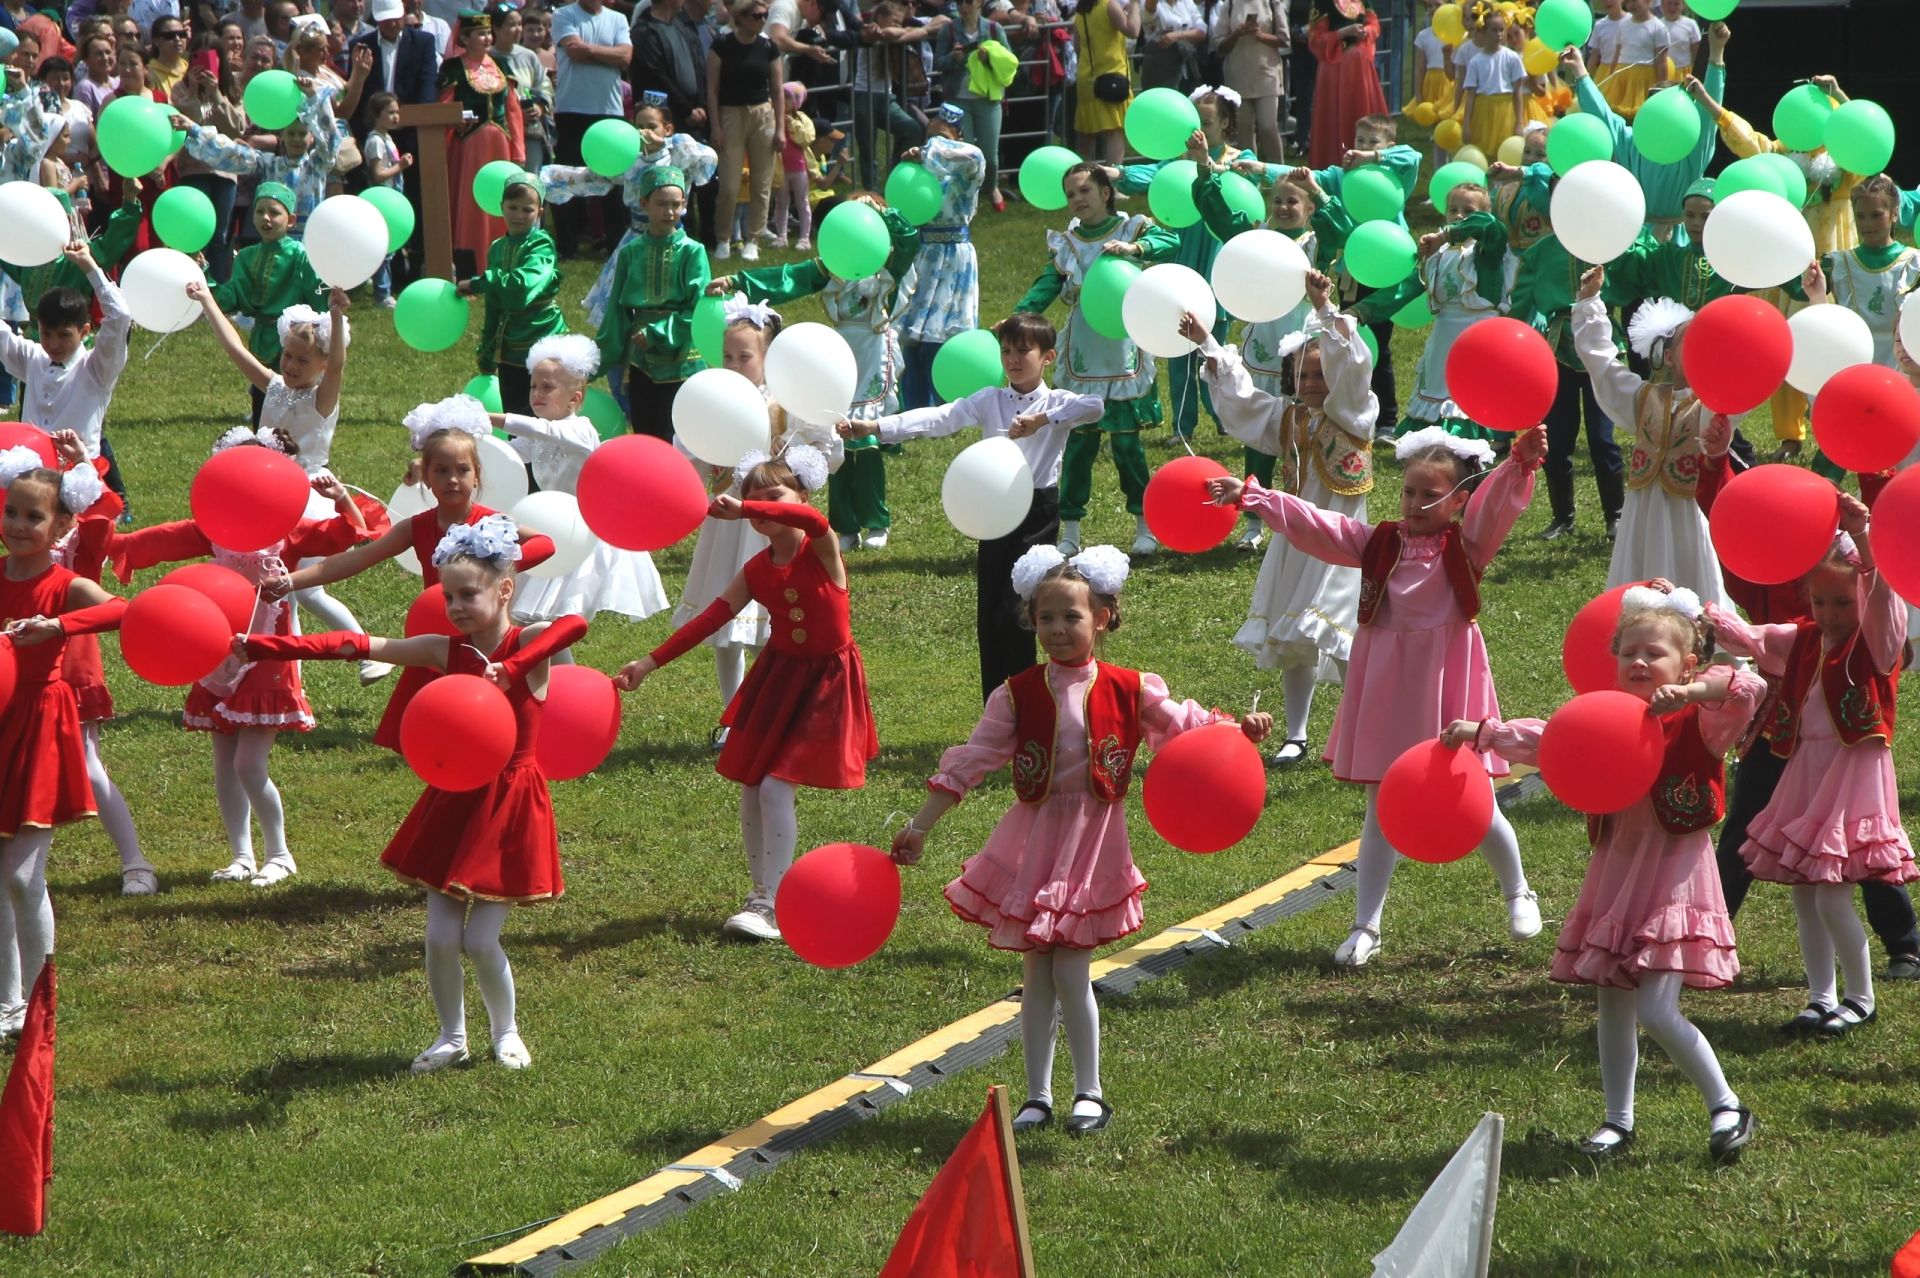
x: 1607, y: 1149
x: 1724, y: 1146
x: 1276, y: 764
x: 1021, y: 1123
x: 1078, y: 1126
x: 1846, y: 1018
x: 1807, y: 1020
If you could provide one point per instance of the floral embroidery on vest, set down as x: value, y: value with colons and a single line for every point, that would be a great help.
x: 1114, y: 760
x: 1032, y: 766
x: 1858, y: 711
x: 1682, y: 797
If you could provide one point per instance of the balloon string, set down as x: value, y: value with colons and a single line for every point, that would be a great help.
x: 893, y: 816
x: 1451, y: 491
x: 156, y: 346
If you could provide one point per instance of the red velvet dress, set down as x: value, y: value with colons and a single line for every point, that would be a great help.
x: 43, y: 760
x: 84, y: 550
x: 1345, y: 87
x: 497, y: 843
x: 801, y: 716
x: 427, y: 533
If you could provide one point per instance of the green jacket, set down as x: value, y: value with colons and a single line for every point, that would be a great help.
x: 1157, y: 244
x: 268, y: 279
x: 1544, y: 289
x: 520, y: 285
x: 657, y: 281
x: 1673, y: 269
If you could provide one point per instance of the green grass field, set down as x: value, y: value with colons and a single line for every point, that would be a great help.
x: 234, y: 1096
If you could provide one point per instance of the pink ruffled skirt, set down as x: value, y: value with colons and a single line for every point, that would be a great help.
x: 1053, y: 874
x: 1651, y: 902
x: 1835, y: 818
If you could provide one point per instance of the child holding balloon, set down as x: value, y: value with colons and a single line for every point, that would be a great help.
x: 1873, y: 277
x: 268, y: 279
x: 478, y: 851
x: 302, y: 163
x: 942, y: 300
x: 1418, y: 662
x: 1650, y: 920
x: 521, y: 290
x: 658, y: 279
x: 1463, y: 274
x: 802, y: 717
x: 1056, y: 879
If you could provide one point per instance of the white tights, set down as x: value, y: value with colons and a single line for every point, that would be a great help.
x: 26, y: 914
x: 1656, y: 1005
x: 1501, y: 848
x: 730, y: 667
x: 1296, y: 688
x: 454, y: 926
x: 245, y: 791
x: 1830, y: 931
x: 115, y: 817
x: 1058, y: 985
x: 770, y: 829
x: 329, y: 610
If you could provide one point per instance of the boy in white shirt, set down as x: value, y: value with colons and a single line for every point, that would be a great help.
x: 65, y: 385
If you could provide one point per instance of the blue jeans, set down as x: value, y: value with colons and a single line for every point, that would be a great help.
x: 916, y: 375
x: 222, y: 191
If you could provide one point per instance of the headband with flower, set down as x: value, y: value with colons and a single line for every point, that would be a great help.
x: 1647, y: 599
x: 295, y: 316
x: 266, y: 437
x: 808, y: 464
x: 1104, y: 567
x: 1477, y: 451
x: 1654, y: 324
x: 494, y: 539
x: 758, y: 314
x: 463, y: 413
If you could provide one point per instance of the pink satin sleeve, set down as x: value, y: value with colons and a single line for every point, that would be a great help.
x: 1325, y: 534
x: 987, y: 749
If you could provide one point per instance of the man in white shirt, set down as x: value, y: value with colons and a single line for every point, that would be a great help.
x: 592, y: 47
x: 442, y: 34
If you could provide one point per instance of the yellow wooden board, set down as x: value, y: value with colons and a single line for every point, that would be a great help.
x: 600, y: 1212
x: 938, y: 1043
x: 796, y: 1114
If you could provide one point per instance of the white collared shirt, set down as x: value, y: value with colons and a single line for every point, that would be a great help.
x: 992, y: 411
x: 72, y: 396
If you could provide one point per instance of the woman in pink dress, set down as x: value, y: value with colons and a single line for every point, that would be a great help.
x: 1834, y: 819
x: 1343, y: 36
x: 1056, y: 878
x: 1651, y: 919
x: 1418, y: 662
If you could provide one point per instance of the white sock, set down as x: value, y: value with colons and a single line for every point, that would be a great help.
x: 1296, y: 686
x: 1501, y: 850
x: 730, y: 667
x: 1039, y: 1022
x: 23, y: 863
x: 751, y: 835
x: 779, y: 831
x: 252, y: 746
x: 491, y: 971
x: 1681, y: 1039
x: 446, y: 922
x: 1835, y: 903
x: 1618, y: 1033
x: 1375, y: 864
x: 1816, y: 946
x: 1073, y: 988
x: 236, y: 813
x: 11, y: 995
x: 115, y: 817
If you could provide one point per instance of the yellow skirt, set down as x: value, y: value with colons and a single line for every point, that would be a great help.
x: 1435, y: 88
x: 1540, y: 107
x: 1626, y: 87
x: 1492, y: 122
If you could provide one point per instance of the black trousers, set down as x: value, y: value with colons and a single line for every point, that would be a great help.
x: 516, y: 388
x: 259, y: 398
x: 1383, y: 387
x: 569, y: 219
x: 1574, y: 395
x: 114, y: 483
x: 1007, y: 645
x: 1889, y: 908
x: 650, y: 405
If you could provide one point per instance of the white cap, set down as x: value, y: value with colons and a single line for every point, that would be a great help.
x: 386, y: 11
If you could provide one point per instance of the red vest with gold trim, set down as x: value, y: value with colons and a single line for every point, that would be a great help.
x: 1860, y: 699
x: 1691, y: 792
x: 1382, y: 552
x: 1113, y: 731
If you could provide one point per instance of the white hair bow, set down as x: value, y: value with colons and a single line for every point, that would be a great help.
x: 463, y: 413
x: 80, y: 488
x: 493, y: 539
x: 17, y: 461
x: 575, y: 352
x: 808, y: 464
x: 1220, y: 91
x: 295, y: 316
x: 240, y: 435
x: 1104, y: 567
x: 1647, y: 599
x: 758, y: 314
x: 1477, y: 451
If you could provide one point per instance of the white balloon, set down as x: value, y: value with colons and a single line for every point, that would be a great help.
x: 811, y: 373
x: 407, y: 501
x: 721, y: 417
x: 1826, y: 339
x: 503, y: 475
x: 346, y: 239
x: 1909, y: 329
x: 1154, y: 304
x: 1260, y: 275
x: 1597, y: 210
x: 1755, y: 239
x: 34, y: 229
x: 155, y: 286
x: 557, y: 515
x: 988, y: 489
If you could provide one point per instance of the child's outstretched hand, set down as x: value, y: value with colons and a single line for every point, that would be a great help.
x: 1026, y: 424
x: 1430, y: 243
x: 1461, y: 732
x: 1225, y: 490
x: 1592, y: 280
x: 338, y: 302
x: 1717, y: 437
x: 80, y: 253
x: 34, y: 630
x: 1530, y: 447
x: 633, y: 674
x: 1122, y: 248
x: 197, y: 290
x: 239, y: 647
x: 909, y: 845
x: 846, y: 429
x: 1191, y: 329
x: 1813, y: 282
x: 1853, y: 516
x: 67, y: 445
x: 330, y: 487
x: 722, y: 287
x: 1572, y: 66
x: 1717, y: 36
x: 496, y: 674
x: 273, y: 589
x: 1670, y: 697
x: 1258, y: 726
x: 725, y: 506
x: 1500, y: 172
x: 1319, y: 289
x: 1197, y: 146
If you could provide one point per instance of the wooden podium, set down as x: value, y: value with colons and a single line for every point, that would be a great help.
x: 436, y: 210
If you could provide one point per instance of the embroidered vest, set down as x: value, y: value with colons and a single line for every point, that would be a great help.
x: 1382, y: 553
x: 1691, y: 792
x: 1113, y: 731
x: 1344, y: 465
x: 1860, y: 699
x: 1666, y: 445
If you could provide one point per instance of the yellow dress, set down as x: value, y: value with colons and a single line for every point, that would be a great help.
x: 1107, y: 56
x: 1492, y: 121
x: 1640, y: 55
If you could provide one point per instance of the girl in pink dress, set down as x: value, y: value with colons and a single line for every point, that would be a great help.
x: 1651, y: 919
x: 1056, y: 878
x: 1418, y: 662
x: 1834, y: 819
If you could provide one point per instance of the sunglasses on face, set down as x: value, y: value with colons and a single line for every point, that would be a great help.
x: 170, y: 35
x: 758, y: 15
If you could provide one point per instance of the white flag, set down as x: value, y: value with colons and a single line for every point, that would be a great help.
x: 1450, y: 1233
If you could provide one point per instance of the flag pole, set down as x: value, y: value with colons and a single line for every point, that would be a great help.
x: 1010, y: 1166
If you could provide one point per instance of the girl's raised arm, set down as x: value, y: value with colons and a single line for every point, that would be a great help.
x: 229, y: 338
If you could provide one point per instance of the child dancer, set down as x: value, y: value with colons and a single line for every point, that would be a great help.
x: 1650, y: 920
x: 245, y: 706
x: 1056, y: 879
x: 302, y: 164
x: 658, y: 278
x: 521, y: 285
x: 268, y: 279
x: 1463, y: 273
x: 1112, y: 368
x: 1834, y: 819
x: 42, y: 750
x: 477, y: 852
x: 942, y: 300
x: 1872, y: 278
x: 802, y: 716
x: 1419, y: 661
x: 1304, y: 609
x: 1027, y: 411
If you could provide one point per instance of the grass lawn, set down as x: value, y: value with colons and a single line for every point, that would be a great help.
x: 234, y: 1095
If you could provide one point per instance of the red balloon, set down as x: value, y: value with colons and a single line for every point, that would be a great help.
x: 427, y: 614
x: 174, y: 635
x: 838, y: 904
x: 248, y: 498
x: 8, y: 671
x: 1735, y: 353
x: 230, y: 592
x: 457, y: 732
x: 1773, y: 523
x: 1436, y: 803
x: 1502, y: 374
x: 21, y: 435
x: 637, y: 493
x: 1205, y: 790
x: 580, y: 723
x: 1867, y: 418
x: 1601, y: 752
x: 1178, y: 510
x: 1896, y: 533
x: 1586, y: 654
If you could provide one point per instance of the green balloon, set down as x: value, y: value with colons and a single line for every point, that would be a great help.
x: 485, y: 387
x: 490, y: 184
x: 1159, y: 122
x: 1577, y: 139
x: 1667, y: 129
x: 1380, y: 254
x: 1170, y: 194
x: 603, y: 410
x: 396, y: 209
x: 1448, y: 176
x: 1041, y: 174
x: 914, y: 192
x: 1415, y: 314
x: 1860, y: 137
x: 430, y: 315
x: 968, y: 363
x: 710, y: 328
x: 1101, y: 293
x: 183, y: 218
x: 1713, y: 10
x: 1792, y: 179
x: 853, y: 240
x: 134, y: 136
x: 1244, y: 197
x: 1559, y: 23
x: 1372, y: 195
x: 1371, y: 342
x: 610, y: 147
x: 273, y: 99
x: 1800, y: 118
x: 1747, y: 175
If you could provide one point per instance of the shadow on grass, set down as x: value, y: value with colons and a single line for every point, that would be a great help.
x: 612, y: 934
x: 300, y: 903
x: 926, y: 1140
x: 260, y: 1097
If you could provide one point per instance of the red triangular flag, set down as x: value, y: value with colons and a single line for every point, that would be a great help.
x: 1906, y: 1261
x: 971, y: 1223
x: 26, y: 1117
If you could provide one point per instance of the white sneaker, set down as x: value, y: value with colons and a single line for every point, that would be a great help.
x: 849, y: 542
x: 722, y: 251
x: 749, y: 252
x: 777, y: 241
x: 386, y: 303
x: 510, y: 1052
x: 373, y: 671
x: 1251, y: 535
x: 1144, y: 542
x: 1358, y: 949
x: 1069, y: 537
x: 1523, y: 914
x: 275, y: 871
x: 12, y: 1021
x: 139, y: 880
x: 239, y: 872
x: 440, y: 1056
x: 754, y: 923
x: 803, y: 246
x: 875, y: 540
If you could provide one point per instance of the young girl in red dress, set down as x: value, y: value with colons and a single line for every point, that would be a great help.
x: 477, y: 852
x: 801, y: 717
x: 43, y: 756
x: 1056, y: 878
x: 243, y: 704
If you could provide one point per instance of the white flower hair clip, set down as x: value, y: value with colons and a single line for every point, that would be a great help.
x: 1104, y: 567
x: 80, y: 488
x: 1647, y: 599
x: 240, y: 435
x: 808, y: 464
x: 758, y: 314
x: 1477, y: 451
x: 322, y: 322
x: 463, y: 413
x: 575, y: 352
x: 1655, y: 323
x: 493, y: 539
x: 1220, y: 91
x: 1294, y: 342
x: 17, y: 461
